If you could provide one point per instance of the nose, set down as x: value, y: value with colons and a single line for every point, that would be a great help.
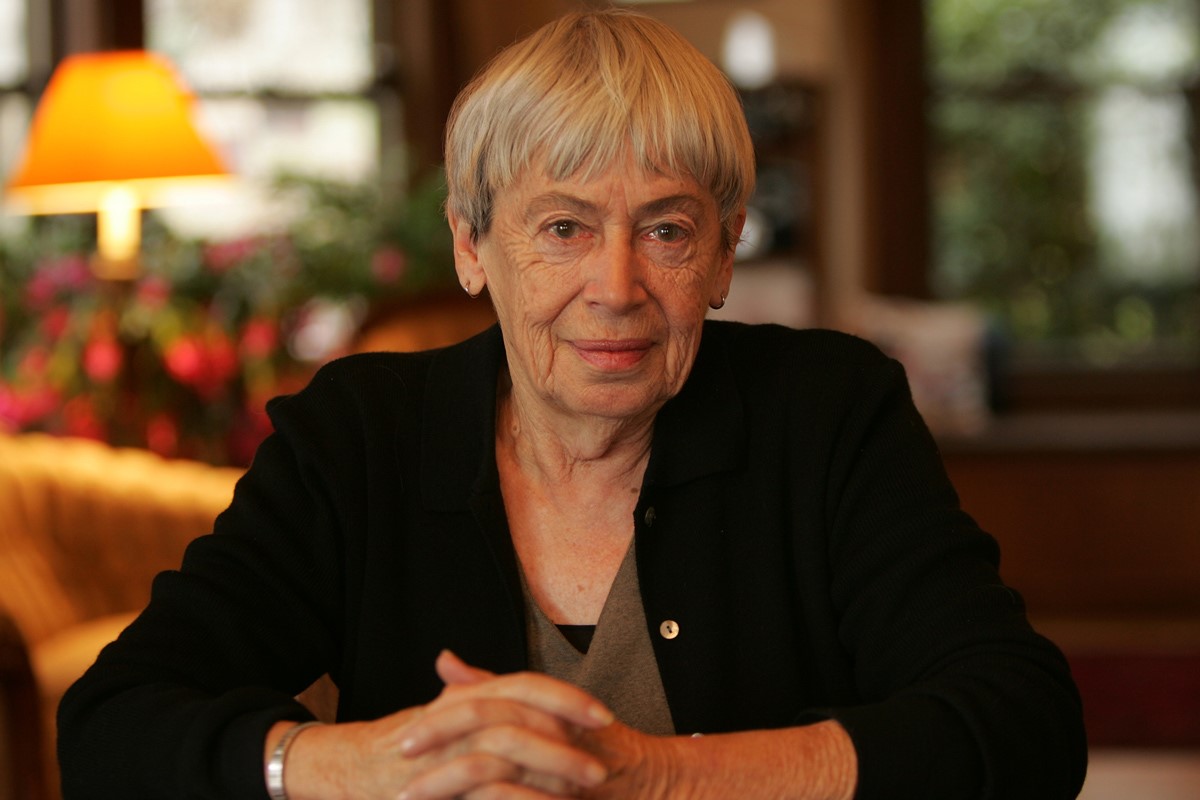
x: 616, y: 283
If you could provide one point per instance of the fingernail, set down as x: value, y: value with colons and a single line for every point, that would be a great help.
x: 601, y: 715
x: 594, y: 775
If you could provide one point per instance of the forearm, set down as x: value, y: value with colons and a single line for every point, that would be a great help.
x: 814, y: 762
x: 331, y: 762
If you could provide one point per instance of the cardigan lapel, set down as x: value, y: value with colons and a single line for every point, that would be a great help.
x: 458, y: 439
x: 700, y: 431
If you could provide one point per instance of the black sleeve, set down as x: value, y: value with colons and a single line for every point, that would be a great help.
x: 180, y: 704
x: 963, y: 698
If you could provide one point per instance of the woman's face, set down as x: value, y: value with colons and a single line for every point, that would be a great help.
x: 601, y: 287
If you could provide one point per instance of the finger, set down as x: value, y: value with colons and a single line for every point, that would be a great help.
x: 459, y: 776
x: 442, y: 724
x: 452, y: 669
x: 539, y: 691
x: 516, y: 791
x: 539, y: 756
x: 529, y: 752
x: 501, y: 755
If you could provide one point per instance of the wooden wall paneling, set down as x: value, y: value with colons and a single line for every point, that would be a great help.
x: 1092, y: 536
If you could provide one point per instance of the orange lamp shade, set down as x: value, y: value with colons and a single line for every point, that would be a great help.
x: 104, y: 118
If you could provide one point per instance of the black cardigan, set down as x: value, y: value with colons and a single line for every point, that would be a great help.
x: 795, y: 522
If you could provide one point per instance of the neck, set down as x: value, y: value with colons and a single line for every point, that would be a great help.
x: 561, y: 448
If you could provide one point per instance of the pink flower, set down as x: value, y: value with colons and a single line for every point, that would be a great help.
x: 68, y: 273
x: 40, y: 290
x: 102, y: 359
x: 388, y: 264
x: 153, y: 292
x: 21, y: 408
x: 223, y: 256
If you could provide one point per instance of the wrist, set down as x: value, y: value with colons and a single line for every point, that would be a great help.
x: 278, y: 745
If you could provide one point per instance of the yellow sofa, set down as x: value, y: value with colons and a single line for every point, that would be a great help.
x: 84, y: 527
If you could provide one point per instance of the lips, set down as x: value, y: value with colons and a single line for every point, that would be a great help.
x: 612, y: 354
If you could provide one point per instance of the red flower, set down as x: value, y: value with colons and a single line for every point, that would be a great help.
x: 206, y: 365
x: 260, y: 338
x: 153, y: 292
x: 102, y: 359
x: 80, y: 419
x: 184, y: 360
x: 55, y: 322
x: 34, y: 361
x: 221, y: 357
x: 20, y: 408
x: 162, y: 434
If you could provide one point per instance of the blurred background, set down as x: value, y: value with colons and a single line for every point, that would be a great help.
x: 1003, y: 194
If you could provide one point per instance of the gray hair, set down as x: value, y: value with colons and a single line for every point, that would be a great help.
x: 576, y: 94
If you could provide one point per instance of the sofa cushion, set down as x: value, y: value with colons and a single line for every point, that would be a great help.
x: 60, y: 659
x: 84, y: 527
x: 57, y: 662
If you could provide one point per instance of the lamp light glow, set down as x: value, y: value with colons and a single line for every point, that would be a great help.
x: 748, y: 51
x: 112, y: 134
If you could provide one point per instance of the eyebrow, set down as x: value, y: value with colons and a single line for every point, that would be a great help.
x: 688, y: 203
x: 545, y: 202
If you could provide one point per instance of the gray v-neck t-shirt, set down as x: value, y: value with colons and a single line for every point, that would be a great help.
x: 619, y: 668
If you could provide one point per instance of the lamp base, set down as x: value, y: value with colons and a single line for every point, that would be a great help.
x: 115, y: 269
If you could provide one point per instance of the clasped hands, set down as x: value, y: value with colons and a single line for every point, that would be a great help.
x: 523, y: 736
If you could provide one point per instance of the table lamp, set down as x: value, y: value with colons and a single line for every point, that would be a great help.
x: 113, y: 134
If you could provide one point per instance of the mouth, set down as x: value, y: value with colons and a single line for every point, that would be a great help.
x: 612, y: 355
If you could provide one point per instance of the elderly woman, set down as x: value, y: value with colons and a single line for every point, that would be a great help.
x: 606, y: 549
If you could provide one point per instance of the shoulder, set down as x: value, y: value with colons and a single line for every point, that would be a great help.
x: 389, y: 388
x: 393, y: 376
x: 776, y: 352
x: 355, y: 381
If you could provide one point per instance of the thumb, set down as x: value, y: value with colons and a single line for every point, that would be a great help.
x: 453, y: 670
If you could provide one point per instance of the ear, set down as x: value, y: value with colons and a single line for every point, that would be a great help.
x: 466, y: 255
x: 725, y: 271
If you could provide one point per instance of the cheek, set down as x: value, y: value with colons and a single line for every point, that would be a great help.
x: 682, y: 344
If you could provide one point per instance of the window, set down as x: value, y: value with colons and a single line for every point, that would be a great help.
x: 14, y: 75
x: 1064, y: 174
x: 284, y: 85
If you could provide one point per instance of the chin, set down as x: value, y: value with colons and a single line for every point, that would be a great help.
x: 616, y: 403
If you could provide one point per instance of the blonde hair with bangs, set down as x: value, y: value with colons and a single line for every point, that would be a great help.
x: 573, y: 96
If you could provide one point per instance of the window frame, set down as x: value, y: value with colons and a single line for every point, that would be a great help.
x: 898, y: 223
